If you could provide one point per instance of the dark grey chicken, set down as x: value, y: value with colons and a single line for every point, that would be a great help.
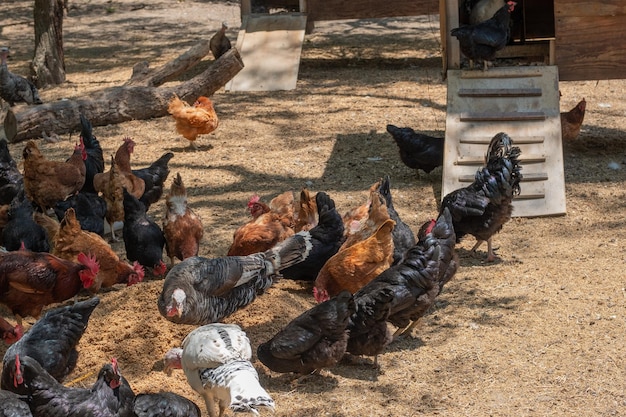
x: 166, y: 404
x: 52, y: 340
x: 314, y: 340
x: 481, y: 41
x: 13, y: 405
x: 483, y: 207
x: 22, y: 230
x: 154, y: 177
x: 403, y: 237
x: 11, y: 179
x: 416, y: 281
x: 90, y: 210
x: 417, y: 151
x: 15, y: 88
x: 202, y: 290
x: 219, y: 43
x: 94, y: 164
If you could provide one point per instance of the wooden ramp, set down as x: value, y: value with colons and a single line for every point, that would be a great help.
x: 270, y: 47
x: 522, y: 102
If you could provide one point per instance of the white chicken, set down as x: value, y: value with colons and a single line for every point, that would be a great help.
x: 216, y: 360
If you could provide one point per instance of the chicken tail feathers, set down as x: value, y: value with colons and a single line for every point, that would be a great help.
x: 291, y: 251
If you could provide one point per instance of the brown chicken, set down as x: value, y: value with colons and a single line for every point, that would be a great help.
x: 191, y: 121
x: 572, y: 120
x: 113, y: 194
x: 29, y: 281
x: 353, y: 267
x: 306, y: 218
x: 271, y: 224
x: 182, y: 227
x: 376, y: 216
x: 132, y: 183
x: 353, y: 219
x: 48, y: 182
x: 71, y: 241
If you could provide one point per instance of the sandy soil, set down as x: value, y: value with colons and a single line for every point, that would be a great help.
x: 541, y: 332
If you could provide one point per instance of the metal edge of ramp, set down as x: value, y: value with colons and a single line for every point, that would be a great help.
x: 270, y: 47
x: 481, y: 104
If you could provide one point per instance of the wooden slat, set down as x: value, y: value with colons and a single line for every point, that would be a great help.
x: 475, y: 161
x: 368, y: 9
x: 529, y: 197
x: 538, y: 176
x: 504, y: 116
x: 500, y: 92
x: 484, y: 140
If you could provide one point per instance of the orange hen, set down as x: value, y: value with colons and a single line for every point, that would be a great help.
x: 110, y: 184
x: 353, y: 267
x: 307, y: 212
x: 191, y: 121
x: 572, y: 120
x: 48, y: 182
x: 181, y: 225
x: 71, y: 241
x: 271, y: 224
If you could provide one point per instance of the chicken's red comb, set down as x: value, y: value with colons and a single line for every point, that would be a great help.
x: 139, y: 270
x: 159, y: 269
x: 253, y: 200
x: 90, y: 262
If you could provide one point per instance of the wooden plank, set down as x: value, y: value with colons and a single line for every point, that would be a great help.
x: 536, y: 176
x: 530, y: 49
x: 369, y: 9
x: 588, y: 36
x: 500, y: 92
x: 478, y: 161
x: 485, y: 140
x: 504, y: 116
x: 270, y: 47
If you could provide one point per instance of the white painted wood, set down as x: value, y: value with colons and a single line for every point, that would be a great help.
x: 270, y: 47
x: 532, y: 121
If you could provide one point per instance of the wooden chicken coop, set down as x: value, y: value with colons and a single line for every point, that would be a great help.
x: 551, y: 41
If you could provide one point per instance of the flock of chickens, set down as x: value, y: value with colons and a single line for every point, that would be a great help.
x: 367, y: 268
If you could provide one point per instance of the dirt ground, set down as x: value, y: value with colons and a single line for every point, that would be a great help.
x: 540, y: 332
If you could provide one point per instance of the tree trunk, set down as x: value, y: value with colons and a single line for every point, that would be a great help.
x: 48, y: 66
x: 118, y: 104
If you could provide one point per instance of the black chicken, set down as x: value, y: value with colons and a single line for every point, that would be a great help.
x: 94, y: 164
x: 15, y: 88
x: 52, y: 340
x: 21, y: 229
x: 154, y: 177
x: 49, y: 398
x: 483, y: 40
x: 482, y: 208
x: 200, y: 290
x: 143, y: 238
x: 13, y: 405
x: 314, y: 340
x: 327, y: 237
x: 90, y: 210
x: 164, y: 404
x: 403, y: 237
x: 417, y: 151
x: 415, y: 283
x: 11, y: 179
x: 369, y: 333
x: 219, y: 43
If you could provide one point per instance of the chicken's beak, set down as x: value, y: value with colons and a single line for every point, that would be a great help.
x: 173, y: 310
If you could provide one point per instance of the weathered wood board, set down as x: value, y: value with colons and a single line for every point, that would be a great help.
x: 522, y: 102
x: 270, y: 47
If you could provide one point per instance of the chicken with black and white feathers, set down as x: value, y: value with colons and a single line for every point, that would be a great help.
x: 143, y: 238
x: 314, y: 340
x: 94, y: 164
x: 13, y: 405
x: 416, y: 281
x: 49, y: 398
x: 154, y: 177
x: 417, y: 150
x: 327, y: 237
x: 164, y: 404
x: 216, y: 361
x: 52, y: 340
x: 483, y: 40
x: 203, y: 290
x: 11, y: 179
x: 403, y: 237
x: 15, y: 88
x: 483, y: 207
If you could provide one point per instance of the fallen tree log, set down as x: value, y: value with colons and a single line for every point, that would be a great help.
x: 143, y: 75
x: 118, y: 104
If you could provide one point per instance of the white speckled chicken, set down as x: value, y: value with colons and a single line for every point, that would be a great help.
x: 216, y: 361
